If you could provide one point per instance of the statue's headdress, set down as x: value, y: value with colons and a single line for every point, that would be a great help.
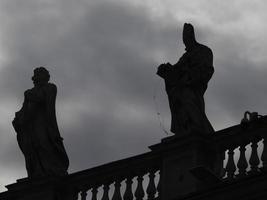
x: 189, y: 32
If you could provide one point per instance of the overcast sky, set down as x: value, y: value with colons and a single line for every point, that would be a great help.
x: 103, y: 56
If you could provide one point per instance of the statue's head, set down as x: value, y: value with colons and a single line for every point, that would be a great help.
x: 189, y: 36
x: 40, y: 76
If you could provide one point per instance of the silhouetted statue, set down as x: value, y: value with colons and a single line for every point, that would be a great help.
x: 37, y: 130
x: 186, y: 82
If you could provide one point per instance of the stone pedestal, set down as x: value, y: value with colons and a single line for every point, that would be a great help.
x: 181, y: 155
x: 40, y: 189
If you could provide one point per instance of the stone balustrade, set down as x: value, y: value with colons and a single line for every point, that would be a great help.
x: 241, y: 149
x: 184, y: 167
x: 115, y: 181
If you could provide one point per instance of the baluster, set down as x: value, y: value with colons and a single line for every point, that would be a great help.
x: 128, y: 194
x: 254, y: 160
x: 264, y: 153
x: 219, y: 167
x: 74, y: 194
x: 242, y: 162
x: 94, y: 193
x: 105, y: 192
x: 139, y: 193
x: 159, y: 186
x: 222, y: 172
x: 151, y: 188
x: 83, y: 195
x: 117, y: 191
x: 230, y: 167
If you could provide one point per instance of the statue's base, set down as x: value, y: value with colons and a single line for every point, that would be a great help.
x: 181, y: 154
x: 47, y: 188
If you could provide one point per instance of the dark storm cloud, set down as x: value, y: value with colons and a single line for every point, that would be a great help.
x: 104, y: 65
x: 238, y: 83
x: 103, y: 57
x: 240, y: 88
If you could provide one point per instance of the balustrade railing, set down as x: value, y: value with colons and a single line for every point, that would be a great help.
x: 241, y: 152
x: 242, y: 149
x: 132, y: 178
x: 138, y: 178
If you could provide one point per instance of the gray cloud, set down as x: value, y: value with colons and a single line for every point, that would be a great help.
x: 104, y: 66
x: 103, y: 57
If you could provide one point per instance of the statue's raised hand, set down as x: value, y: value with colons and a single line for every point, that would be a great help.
x: 163, y: 69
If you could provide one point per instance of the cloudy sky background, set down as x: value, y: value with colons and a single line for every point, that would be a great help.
x: 103, y: 56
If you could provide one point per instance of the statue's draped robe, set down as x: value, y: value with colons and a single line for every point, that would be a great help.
x: 38, y: 135
x: 186, y: 83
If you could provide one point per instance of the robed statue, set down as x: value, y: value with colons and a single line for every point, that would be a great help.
x: 37, y: 130
x: 185, y: 83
